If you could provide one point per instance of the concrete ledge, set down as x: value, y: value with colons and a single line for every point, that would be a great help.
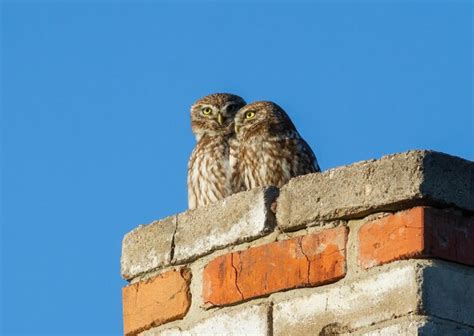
x: 241, y: 217
x: 147, y: 247
x: 186, y: 236
x: 392, y: 183
x: 414, y: 325
x: 400, y: 291
x: 384, y: 296
x: 448, y: 292
x: 253, y: 320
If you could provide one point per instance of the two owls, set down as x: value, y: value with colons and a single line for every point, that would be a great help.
x: 240, y: 147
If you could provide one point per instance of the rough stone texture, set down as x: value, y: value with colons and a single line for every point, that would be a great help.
x: 448, y: 180
x: 253, y: 320
x: 434, y: 328
x: 418, y: 232
x: 415, y: 325
x: 150, y: 303
x: 392, y: 183
x: 238, y: 218
x: 299, y: 262
x: 147, y: 247
x: 350, y: 306
x: 442, y: 291
x: 448, y: 292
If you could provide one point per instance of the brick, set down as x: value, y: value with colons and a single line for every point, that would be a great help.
x: 349, y: 306
x: 300, y: 262
x: 418, y: 232
x: 392, y: 183
x: 241, y: 217
x: 155, y: 301
x: 147, y: 247
x: 253, y: 320
x: 449, y: 236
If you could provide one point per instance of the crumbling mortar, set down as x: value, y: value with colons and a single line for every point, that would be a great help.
x: 276, y: 235
x: 387, y: 322
x: 390, y: 208
x: 224, y: 247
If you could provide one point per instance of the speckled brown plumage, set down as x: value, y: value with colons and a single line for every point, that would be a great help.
x: 269, y: 150
x: 211, y: 163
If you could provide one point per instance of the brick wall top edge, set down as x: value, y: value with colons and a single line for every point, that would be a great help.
x: 193, y: 233
x: 391, y: 183
x: 394, y: 182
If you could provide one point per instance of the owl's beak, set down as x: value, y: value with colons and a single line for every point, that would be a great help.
x: 236, y: 127
x: 219, y: 118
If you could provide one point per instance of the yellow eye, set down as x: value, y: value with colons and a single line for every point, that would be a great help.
x: 249, y: 114
x: 206, y: 111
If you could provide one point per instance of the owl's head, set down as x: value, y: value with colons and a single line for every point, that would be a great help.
x: 214, y: 114
x: 262, y: 117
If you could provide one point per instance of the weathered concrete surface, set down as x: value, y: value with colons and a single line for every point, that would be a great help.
x: 252, y: 320
x: 147, y: 247
x: 364, y: 302
x: 238, y: 218
x: 414, y: 325
x: 442, y: 291
x: 448, y: 292
x: 435, y: 328
x: 392, y: 183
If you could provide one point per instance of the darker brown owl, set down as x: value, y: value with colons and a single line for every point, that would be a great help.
x: 211, y: 163
x: 270, y: 150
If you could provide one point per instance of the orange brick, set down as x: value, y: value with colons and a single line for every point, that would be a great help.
x: 415, y: 233
x: 449, y: 236
x: 300, y: 262
x: 150, y: 303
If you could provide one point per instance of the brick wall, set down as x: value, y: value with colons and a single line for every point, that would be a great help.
x: 381, y: 247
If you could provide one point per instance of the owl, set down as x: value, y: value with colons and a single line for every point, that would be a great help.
x: 270, y: 150
x: 212, y: 161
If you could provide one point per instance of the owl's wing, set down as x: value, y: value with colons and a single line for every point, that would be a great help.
x: 305, y: 160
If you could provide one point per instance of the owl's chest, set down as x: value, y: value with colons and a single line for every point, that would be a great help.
x: 262, y: 162
x: 210, y: 161
x: 216, y: 147
x: 261, y: 152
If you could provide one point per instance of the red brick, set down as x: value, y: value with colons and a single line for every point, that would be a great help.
x: 449, y: 236
x: 300, y: 262
x: 417, y: 233
x: 159, y: 300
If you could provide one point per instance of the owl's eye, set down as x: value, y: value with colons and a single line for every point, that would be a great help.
x: 231, y: 108
x: 249, y: 114
x: 206, y: 111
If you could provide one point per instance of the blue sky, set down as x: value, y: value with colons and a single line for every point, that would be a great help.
x: 95, y: 129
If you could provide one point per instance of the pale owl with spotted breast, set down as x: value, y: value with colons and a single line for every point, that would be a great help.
x: 270, y: 151
x: 212, y: 162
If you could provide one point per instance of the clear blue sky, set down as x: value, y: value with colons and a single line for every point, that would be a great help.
x: 95, y: 124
